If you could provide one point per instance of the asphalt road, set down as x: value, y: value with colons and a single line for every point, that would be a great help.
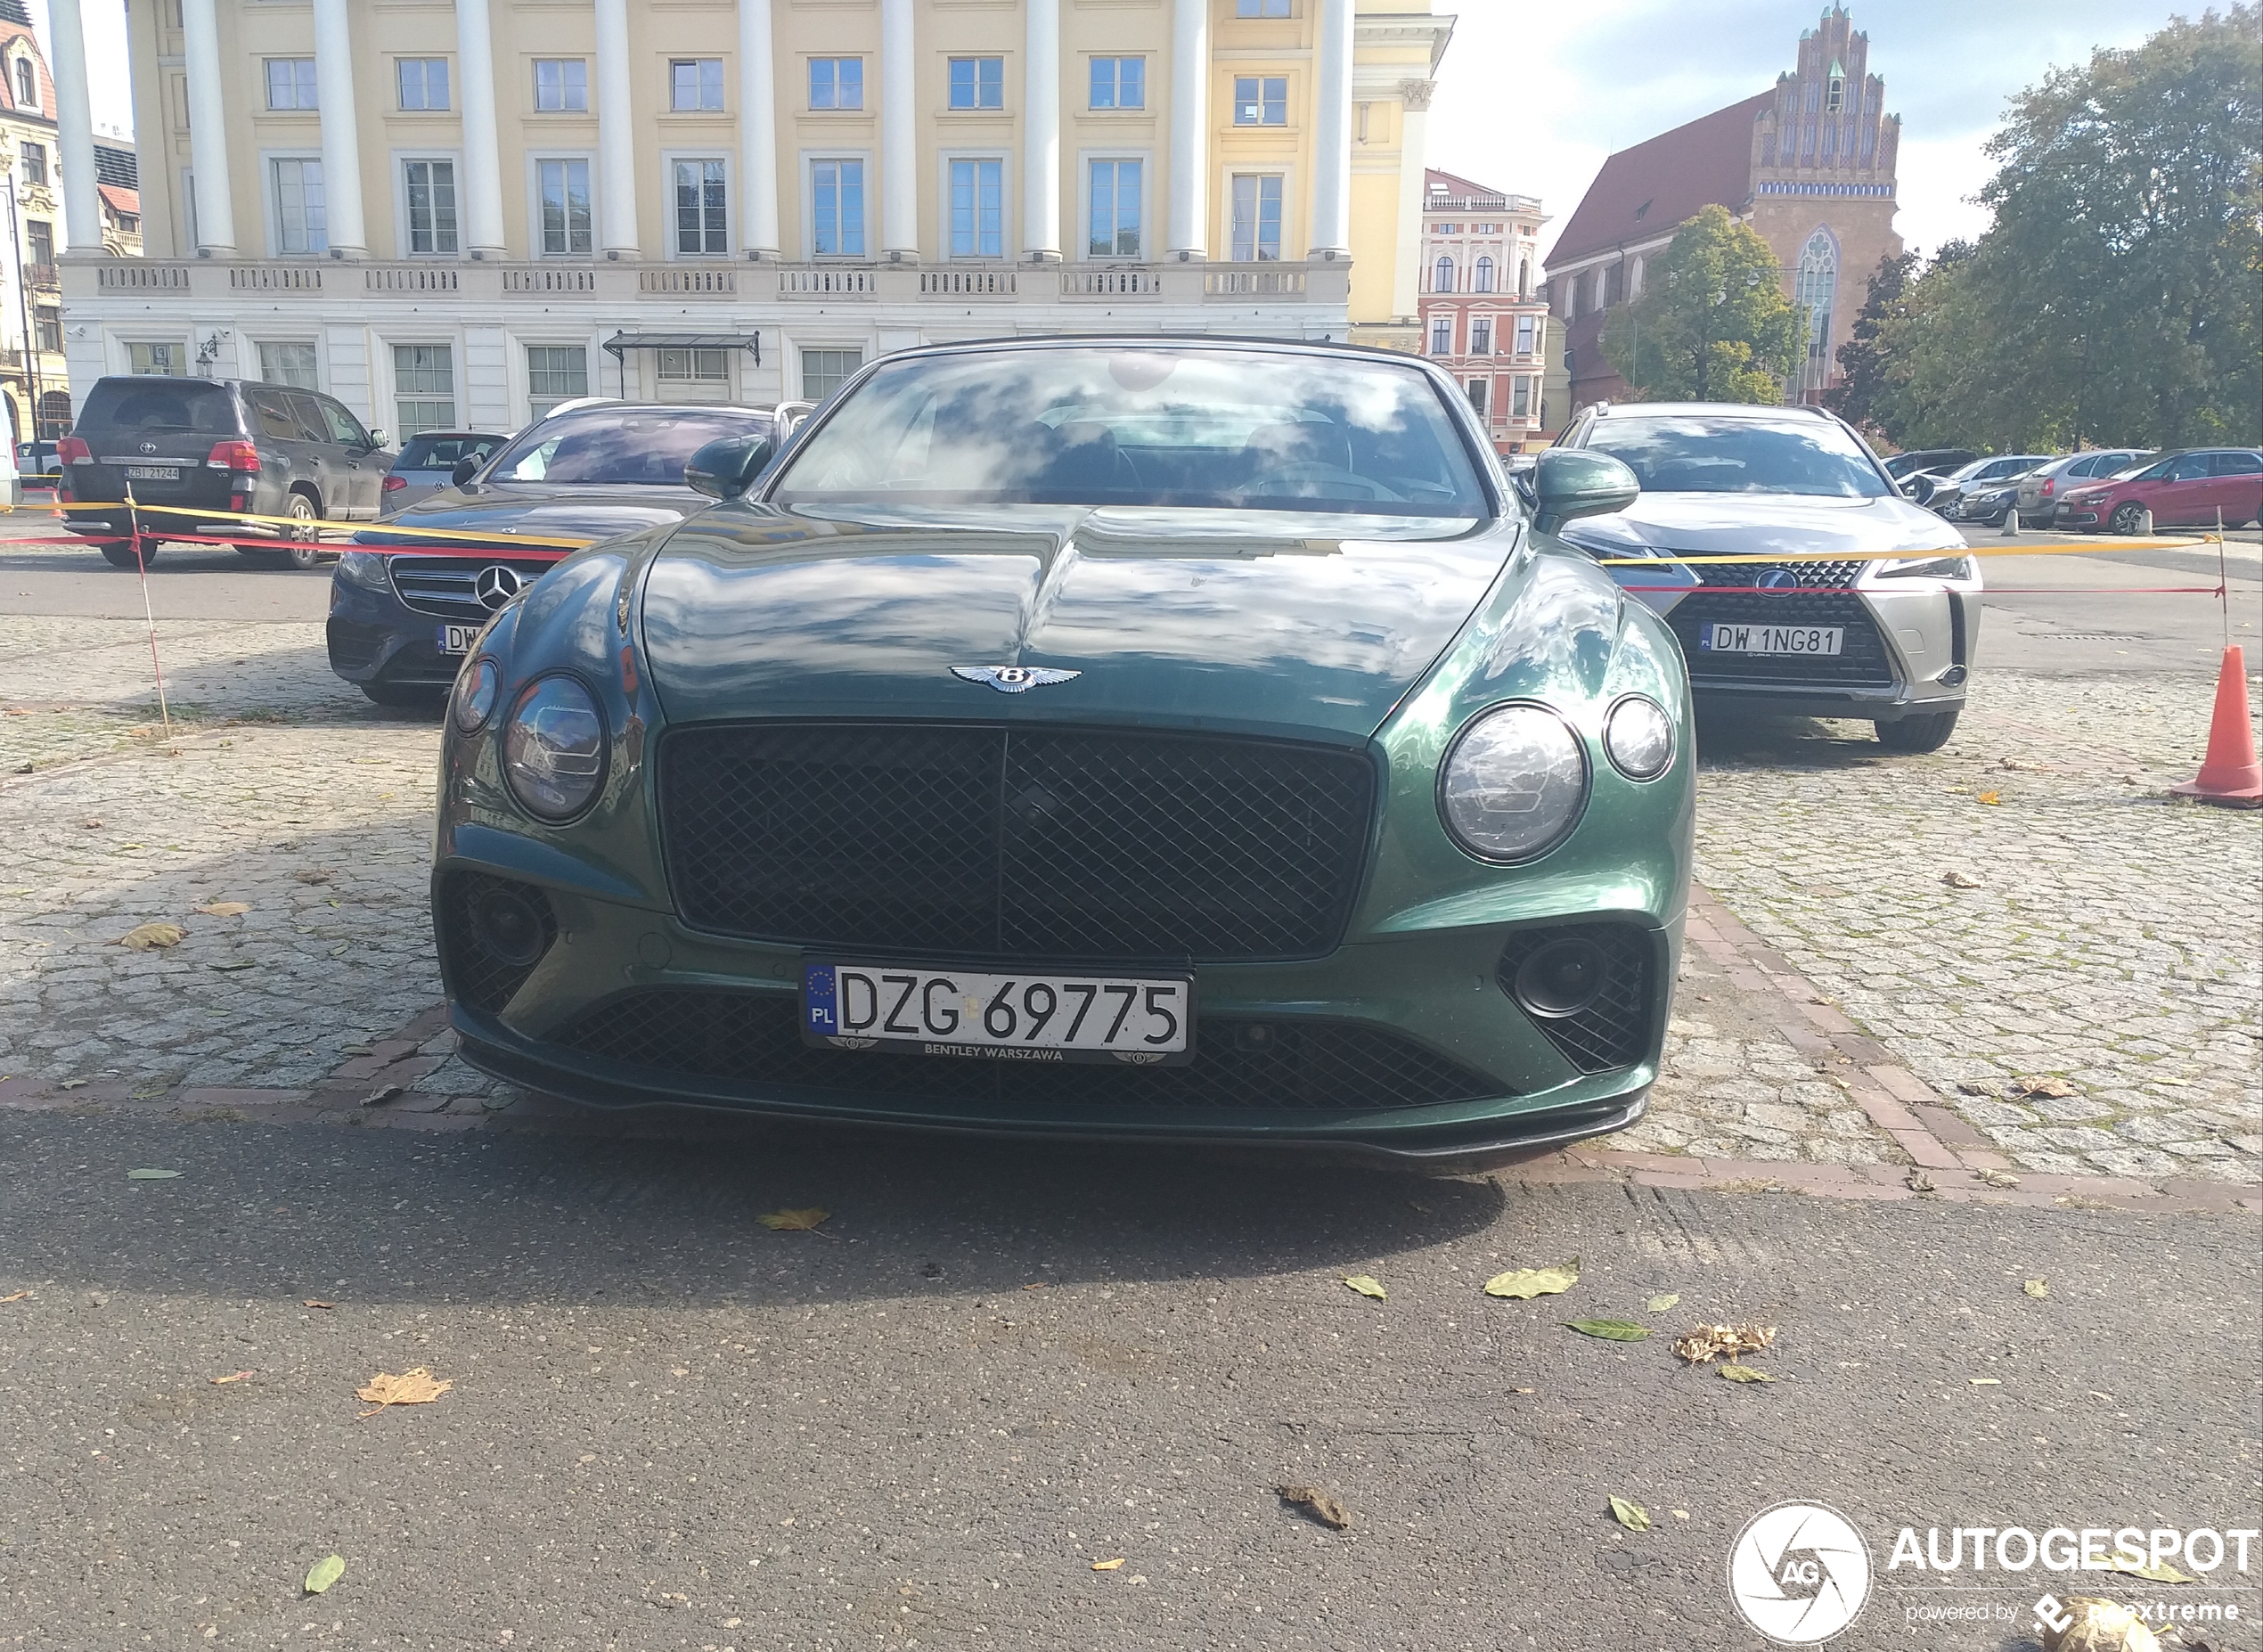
x: 994, y: 1366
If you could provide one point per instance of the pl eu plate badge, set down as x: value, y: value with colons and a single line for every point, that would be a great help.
x: 822, y: 1007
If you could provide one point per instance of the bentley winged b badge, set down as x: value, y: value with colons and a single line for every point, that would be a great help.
x: 1014, y: 679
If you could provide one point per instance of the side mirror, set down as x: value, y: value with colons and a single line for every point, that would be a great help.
x: 726, y: 468
x: 466, y: 469
x: 376, y: 439
x: 1571, y: 482
x: 1919, y: 487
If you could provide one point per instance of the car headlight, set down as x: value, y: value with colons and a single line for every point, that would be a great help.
x: 474, y: 700
x: 366, y: 568
x: 553, y: 748
x: 1638, y: 738
x: 1925, y: 567
x: 1513, y: 782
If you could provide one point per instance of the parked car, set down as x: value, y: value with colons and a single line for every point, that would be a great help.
x: 1929, y: 462
x: 224, y: 445
x: 1100, y: 736
x: 36, y: 463
x: 1890, y: 641
x: 1948, y: 496
x: 400, y: 623
x: 2039, y: 489
x: 428, y: 464
x: 2185, y: 489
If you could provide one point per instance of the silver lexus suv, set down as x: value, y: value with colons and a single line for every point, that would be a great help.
x: 1884, y: 628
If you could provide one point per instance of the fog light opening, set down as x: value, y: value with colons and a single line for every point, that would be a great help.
x: 1561, y: 979
x: 508, y: 927
x: 1253, y: 1038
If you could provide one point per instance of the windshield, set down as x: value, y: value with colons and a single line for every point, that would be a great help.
x: 1690, y: 454
x: 644, y: 445
x: 442, y: 453
x: 1238, y: 429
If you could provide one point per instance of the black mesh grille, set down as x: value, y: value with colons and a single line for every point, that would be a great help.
x: 1811, y: 576
x: 479, y: 978
x: 754, y: 1039
x: 1614, y: 1030
x: 983, y: 841
x: 353, y: 646
x: 1861, y: 661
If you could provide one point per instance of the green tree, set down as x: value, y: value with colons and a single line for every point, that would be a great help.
x: 1858, y: 395
x: 1713, y: 323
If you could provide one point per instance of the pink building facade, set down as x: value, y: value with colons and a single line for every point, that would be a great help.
x: 1482, y: 317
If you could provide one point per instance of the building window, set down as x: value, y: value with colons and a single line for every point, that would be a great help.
x: 1441, y: 275
x: 47, y: 329
x: 978, y: 209
x: 289, y: 362
x: 836, y: 83
x: 977, y: 83
x: 1261, y: 8
x: 1520, y: 397
x: 1527, y: 328
x: 1257, y: 218
x: 1615, y: 285
x: 1814, y: 290
x: 1835, y: 98
x: 1524, y: 278
x: 836, y: 208
x: 556, y: 373
x: 824, y: 372
x: 302, y: 222
x: 42, y: 237
x: 695, y: 82
x: 170, y: 360
x: 27, y: 87
x: 1115, y: 232
x: 34, y: 162
x: 1478, y: 388
x: 1481, y: 335
x: 424, y: 387
x: 694, y: 366
x: 561, y: 85
x: 1119, y: 83
x: 290, y: 83
x: 1441, y: 336
x: 1483, y: 276
x: 424, y: 83
x: 431, y: 186
x: 566, y: 214
x: 1260, y: 101
x: 700, y: 220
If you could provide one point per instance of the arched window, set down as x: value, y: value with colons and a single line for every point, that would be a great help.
x: 1485, y: 276
x: 1524, y: 278
x: 27, y: 87
x: 1815, y: 290
x: 1443, y: 279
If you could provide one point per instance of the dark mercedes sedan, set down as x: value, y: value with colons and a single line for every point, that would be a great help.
x: 400, y: 621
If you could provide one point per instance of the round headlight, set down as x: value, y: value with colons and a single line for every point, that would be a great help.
x: 1639, y: 736
x: 1513, y: 784
x: 553, y: 748
x: 476, y: 685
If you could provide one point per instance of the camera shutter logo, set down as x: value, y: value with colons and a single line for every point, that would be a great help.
x: 1799, y: 1572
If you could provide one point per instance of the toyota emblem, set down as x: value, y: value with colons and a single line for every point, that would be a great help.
x: 496, y: 585
x: 149, y: 448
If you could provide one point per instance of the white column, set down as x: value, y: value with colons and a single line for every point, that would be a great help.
x: 1041, y: 131
x: 1331, y: 229
x: 616, y: 133
x: 74, y: 121
x: 341, y: 136
x: 1406, y: 276
x: 1189, y: 127
x: 216, y: 211
x: 757, y: 133
x: 899, y: 132
x: 482, y: 155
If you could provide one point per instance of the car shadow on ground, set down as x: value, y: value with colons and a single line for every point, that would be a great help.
x: 1725, y: 738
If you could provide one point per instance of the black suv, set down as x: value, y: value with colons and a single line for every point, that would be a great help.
x: 218, y: 445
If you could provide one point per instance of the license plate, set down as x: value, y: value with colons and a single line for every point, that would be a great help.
x: 1771, y: 639
x: 152, y: 472
x: 459, y: 639
x: 1024, y: 1016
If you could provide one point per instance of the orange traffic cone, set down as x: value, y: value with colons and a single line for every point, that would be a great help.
x: 2229, y: 775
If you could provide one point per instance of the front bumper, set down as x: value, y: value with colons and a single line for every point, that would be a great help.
x: 1905, y: 652
x: 375, y: 638
x: 2074, y: 515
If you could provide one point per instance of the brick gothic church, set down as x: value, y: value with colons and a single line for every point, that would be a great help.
x: 1809, y: 163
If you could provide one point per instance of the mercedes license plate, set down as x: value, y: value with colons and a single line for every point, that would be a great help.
x: 1023, y: 1015
x: 459, y: 639
x: 152, y: 472
x: 1771, y: 639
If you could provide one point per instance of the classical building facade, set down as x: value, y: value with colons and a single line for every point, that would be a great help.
x: 463, y: 213
x: 1808, y: 164
x: 1484, y: 318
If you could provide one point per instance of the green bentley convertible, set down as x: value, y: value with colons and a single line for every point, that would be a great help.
x: 1119, y: 738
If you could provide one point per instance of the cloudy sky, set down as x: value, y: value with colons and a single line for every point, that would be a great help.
x: 1532, y: 96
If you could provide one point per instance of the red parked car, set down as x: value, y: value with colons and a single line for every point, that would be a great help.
x: 2181, y: 489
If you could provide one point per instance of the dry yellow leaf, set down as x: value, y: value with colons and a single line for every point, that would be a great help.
x: 18, y: 1296
x: 231, y: 1377
x: 314, y: 1302
x: 1320, y: 1505
x: 1990, y: 798
x: 416, y: 1388
x: 1708, y: 1343
x: 1107, y: 1566
x: 1366, y: 1287
x: 792, y: 1220
x: 223, y: 909
x: 152, y: 935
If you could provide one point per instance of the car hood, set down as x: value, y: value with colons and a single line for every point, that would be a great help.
x: 1761, y: 524
x: 560, y: 513
x: 1257, y: 621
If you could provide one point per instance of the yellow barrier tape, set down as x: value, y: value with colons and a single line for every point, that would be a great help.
x: 454, y: 536
x: 2009, y: 548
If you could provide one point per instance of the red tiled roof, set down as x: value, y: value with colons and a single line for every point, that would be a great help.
x: 120, y: 199
x: 1455, y: 184
x: 1645, y: 191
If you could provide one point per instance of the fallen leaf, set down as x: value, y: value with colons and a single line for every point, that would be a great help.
x: 416, y: 1388
x: 314, y: 874
x: 219, y: 1382
x: 1365, y: 1286
x: 1523, y: 1391
x: 792, y: 1220
x: 1917, y: 1180
x: 1039, y: 1284
x: 381, y: 1094
x: 234, y: 964
x: 1522, y: 1284
x: 1744, y: 1373
x: 313, y: 1303
x: 72, y: 1083
x: 2037, y: 1288
x: 18, y: 1296
x: 1316, y: 1504
x: 1998, y: 1178
x: 1961, y: 880
x: 1976, y: 1090
x: 223, y: 909
x: 2160, y: 1572
x: 1708, y: 1343
x: 1663, y: 1301
x: 1990, y: 797
x: 1107, y: 1566
x: 2056, y: 1089
x: 149, y: 934
x: 1680, y: 1514
x: 1610, y: 1331
x: 1634, y: 1517
x: 326, y: 1571
x: 151, y: 1175
x: 2090, y: 1624
x: 1987, y: 1382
